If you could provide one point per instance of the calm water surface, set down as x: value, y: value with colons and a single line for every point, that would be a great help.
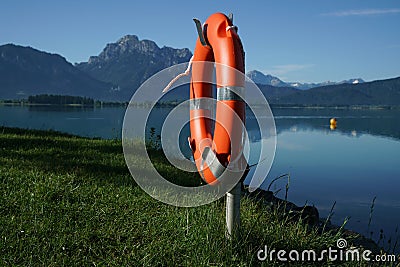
x: 350, y: 165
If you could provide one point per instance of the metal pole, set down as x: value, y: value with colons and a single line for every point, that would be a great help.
x: 233, y: 212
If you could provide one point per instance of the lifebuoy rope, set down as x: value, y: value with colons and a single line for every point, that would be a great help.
x: 186, y: 73
x: 233, y: 27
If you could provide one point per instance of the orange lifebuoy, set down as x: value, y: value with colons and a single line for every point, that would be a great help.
x: 213, y: 152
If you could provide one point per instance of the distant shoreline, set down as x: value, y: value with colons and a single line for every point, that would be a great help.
x: 175, y: 103
x: 344, y: 107
x: 97, y: 104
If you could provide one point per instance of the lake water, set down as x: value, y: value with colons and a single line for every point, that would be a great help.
x: 350, y: 165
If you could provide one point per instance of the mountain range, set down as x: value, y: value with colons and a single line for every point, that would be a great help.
x: 381, y: 92
x: 25, y: 71
x: 113, y: 75
x: 130, y: 61
x: 121, y: 67
x: 267, y: 79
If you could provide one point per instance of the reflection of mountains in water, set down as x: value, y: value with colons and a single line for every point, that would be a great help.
x: 351, y: 122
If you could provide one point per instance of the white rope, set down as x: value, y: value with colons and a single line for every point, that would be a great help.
x: 187, y: 71
x: 231, y: 28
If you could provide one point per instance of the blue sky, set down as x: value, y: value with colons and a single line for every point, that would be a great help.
x: 306, y: 41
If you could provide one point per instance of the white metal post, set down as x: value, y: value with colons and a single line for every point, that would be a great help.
x: 233, y: 212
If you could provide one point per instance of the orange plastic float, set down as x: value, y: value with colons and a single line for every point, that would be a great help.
x: 218, y: 42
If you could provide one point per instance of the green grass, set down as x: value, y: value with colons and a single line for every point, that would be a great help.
x: 70, y: 201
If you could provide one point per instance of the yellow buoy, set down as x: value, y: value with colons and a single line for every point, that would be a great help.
x: 333, y: 123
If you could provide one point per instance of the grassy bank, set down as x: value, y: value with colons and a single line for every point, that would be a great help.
x: 71, y: 201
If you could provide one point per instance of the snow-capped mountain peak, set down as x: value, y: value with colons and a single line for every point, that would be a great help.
x: 261, y: 78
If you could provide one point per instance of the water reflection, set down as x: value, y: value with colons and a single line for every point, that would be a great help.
x: 351, y: 122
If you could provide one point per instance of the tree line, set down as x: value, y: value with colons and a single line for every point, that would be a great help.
x: 60, y: 100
